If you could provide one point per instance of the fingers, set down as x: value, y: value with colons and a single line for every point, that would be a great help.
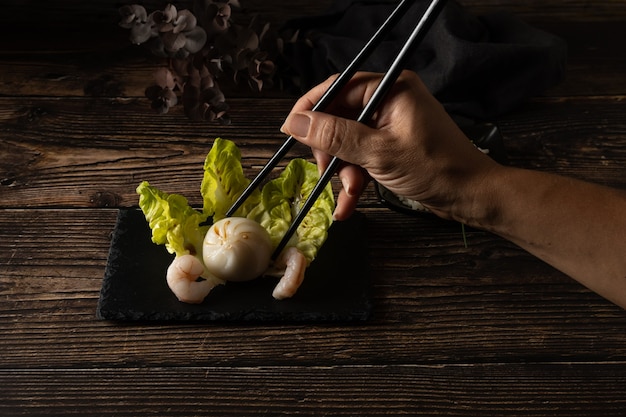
x: 328, y: 135
x: 331, y: 135
x: 346, y: 205
x: 354, y: 180
x: 354, y: 96
x: 311, y: 97
x: 322, y: 159
x: 325, y: 136
x: 366, y: 149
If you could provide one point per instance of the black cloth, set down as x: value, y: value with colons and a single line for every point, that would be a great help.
x: 478, y: 67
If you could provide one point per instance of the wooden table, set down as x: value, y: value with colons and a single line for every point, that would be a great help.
x: 482, y: 330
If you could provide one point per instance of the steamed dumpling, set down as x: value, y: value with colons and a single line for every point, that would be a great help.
x: 237, y: 249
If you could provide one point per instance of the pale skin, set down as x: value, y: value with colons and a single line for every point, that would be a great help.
x: 413, y: 148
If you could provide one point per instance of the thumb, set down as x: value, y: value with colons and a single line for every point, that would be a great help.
x: 326, y: 133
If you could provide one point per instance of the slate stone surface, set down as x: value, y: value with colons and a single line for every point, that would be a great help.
x: 336, y: 286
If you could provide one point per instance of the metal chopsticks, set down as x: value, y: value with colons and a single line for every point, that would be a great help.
x: 387, y: 81
x: 326, y: 99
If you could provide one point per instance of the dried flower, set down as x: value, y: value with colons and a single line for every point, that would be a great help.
x: 135, y: 18
x: 200, y: 47
x: 162, y: 92
x: 202, y: 99
x: 214, y: 15
x: 178, y: 33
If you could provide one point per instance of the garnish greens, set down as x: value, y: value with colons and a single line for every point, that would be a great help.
x: 181, y: 228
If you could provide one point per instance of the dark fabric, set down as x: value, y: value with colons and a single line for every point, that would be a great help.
x: 478, y: 67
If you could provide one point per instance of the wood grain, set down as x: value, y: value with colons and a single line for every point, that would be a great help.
x: 557, y: 389
x: 498, y: 305
x: 482, y: 329
x: 94, y: 153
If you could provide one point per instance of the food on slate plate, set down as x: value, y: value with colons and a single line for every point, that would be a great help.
x: 211, y: 248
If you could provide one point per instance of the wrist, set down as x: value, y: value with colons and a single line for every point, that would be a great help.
x: 478, y: 200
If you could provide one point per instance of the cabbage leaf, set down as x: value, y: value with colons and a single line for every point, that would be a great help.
x: 182, y: 228
x: 224, y: 181
x: 173, y: 222
x: 282, y: 198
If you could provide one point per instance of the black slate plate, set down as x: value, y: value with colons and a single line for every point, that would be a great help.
x: 336, y: 286
x: 486, y: 136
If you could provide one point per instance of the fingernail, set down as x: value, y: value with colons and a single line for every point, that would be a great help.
x: 297, y: 125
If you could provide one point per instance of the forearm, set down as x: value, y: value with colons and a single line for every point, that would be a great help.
x: 414, y: 149
x: 575, y: 226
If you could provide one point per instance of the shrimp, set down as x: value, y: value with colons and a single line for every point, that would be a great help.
x: 295, y: 265
x: 182, y: 278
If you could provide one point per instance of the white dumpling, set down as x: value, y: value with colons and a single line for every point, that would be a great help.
x: 237, y: 249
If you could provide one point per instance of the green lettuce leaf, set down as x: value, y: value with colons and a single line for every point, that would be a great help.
x: 224, y: 181
x: 173, y: 222
x: 181, y: 228
x: 281, y: 200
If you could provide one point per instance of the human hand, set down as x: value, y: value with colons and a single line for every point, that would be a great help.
x: 411, y: 145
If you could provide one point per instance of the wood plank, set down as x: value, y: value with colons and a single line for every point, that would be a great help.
x: 558, y: 389
x: 114, y: 68
x: 435, y: 301
x: 482, y: 329
x: 580, y: 137
x: 93, y: 153
x: 39, y: 132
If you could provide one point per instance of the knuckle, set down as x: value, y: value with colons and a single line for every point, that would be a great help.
x: 331, y: 135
